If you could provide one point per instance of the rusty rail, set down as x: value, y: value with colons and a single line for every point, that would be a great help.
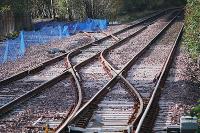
x: 160, y: 83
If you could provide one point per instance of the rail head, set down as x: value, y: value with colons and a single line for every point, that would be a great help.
x: 25, y: 73
x: 160, y: 80
x: 77, y: 106
x: 32, y: 70
x: 117, y: 44
x: 7, y: 107
x: 89, y: 103
x: 140, y: 53
x: 133, y: 89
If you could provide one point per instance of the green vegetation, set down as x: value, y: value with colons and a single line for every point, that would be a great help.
x: 192, y: 28
x: 132, y: 5
x: 133, y: 9
x: 130, y: 17
x: 77, y: 10
x: 81, y: 9
x: 17, y: 6
x: 4, y: 8
x: 196, y: 111
x: 13, y: 35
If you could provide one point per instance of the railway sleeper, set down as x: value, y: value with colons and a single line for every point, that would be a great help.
x: 84, y: 120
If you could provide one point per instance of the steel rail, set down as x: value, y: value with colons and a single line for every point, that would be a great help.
x: 141, y: 103
x: 133, y: 60
x: 141, y: 52
x: 114, y: 80
x: 37, y: 90
x: 79, y: 101
x: 136, y: 57
x: 5, y: 108
x: 32, y: 70
x: 110, y: 67
x: 76, y: 67
x: 121, y: 42
x: 42, y: 66
x: 160, y: 82
x: 78, y: 51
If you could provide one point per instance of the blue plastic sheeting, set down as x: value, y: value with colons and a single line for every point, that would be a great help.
x: 22, y: 45
x: 11, y: 50
x: 91, y: 25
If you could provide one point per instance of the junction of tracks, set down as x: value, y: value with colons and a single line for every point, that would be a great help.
x: 109, y: 85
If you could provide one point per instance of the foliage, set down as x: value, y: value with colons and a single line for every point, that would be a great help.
x: 132, y: 16
x: 192, y: 27
x: 131, y: 5
x: 4, y: 8
x: 13, y: 35
x: 196, y: 111
x: 81, y: 9
x: 41, y: 8
x: 106, y: 9
x: 62, y: 7
x: 76, y: 10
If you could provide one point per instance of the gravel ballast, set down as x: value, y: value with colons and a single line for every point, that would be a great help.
x: 37, y: 54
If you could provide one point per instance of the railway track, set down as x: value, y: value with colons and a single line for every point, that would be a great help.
x: 19, y: 87
x: 45, y: 108
x: 28, y: 80
x: 146, y: 123
x: 113, y: 110
x: 21, y: 103
x: 92, y: 78
x: 119, y: 56
x: 174, y: 99
x: 83, y: 53
x: 145, y: 73
x: 26, y: 86
x: 87, y: 82
x: 92, y: 117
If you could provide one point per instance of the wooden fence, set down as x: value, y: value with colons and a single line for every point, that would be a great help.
x: 23, y: 21
x: 7, y: 23
x: 10, y: 22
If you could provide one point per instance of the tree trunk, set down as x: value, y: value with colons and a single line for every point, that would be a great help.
x: 89, y: 8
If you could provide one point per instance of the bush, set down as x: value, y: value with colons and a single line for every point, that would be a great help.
x: 192, y: 27
x: 131, y: 5
x: 196, y: 111
x: 4, y: 8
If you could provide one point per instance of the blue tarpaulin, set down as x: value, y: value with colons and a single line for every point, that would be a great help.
x: 45, y: 32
